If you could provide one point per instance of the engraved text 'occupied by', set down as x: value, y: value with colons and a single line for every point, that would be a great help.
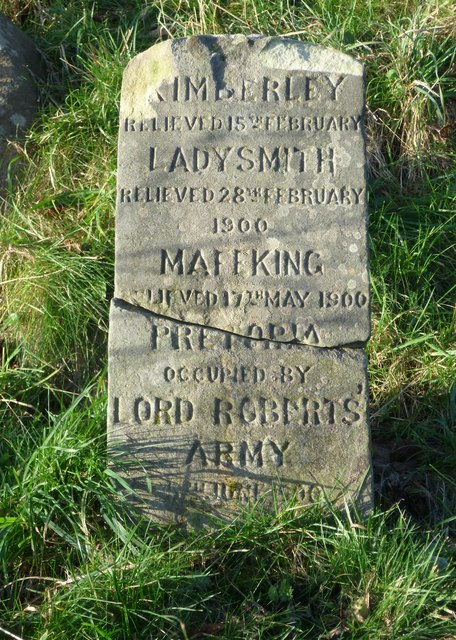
x: 294, y: 88
x: 237, y: 454
x: 242, y: 491
x: 267, y: 298
x: 182, y: 337
x: 239, y: 195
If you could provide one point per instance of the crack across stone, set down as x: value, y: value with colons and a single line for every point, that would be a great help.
x: 132, y: 305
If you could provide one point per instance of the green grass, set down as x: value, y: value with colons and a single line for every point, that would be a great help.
x: 72, y: 562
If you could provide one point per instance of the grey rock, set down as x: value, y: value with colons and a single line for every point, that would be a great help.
x: 242, y: 190
x: 20, y: 64
x: 203, y: 421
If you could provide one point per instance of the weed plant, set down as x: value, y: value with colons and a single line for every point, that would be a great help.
x: 74, y: 560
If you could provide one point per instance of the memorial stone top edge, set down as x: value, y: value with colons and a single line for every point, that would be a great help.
x: 169, y: 58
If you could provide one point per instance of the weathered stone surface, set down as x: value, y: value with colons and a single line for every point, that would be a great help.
x: 241, y: 188
x: 241, y: 255
x: 19, y: 61
x: 206, y: 420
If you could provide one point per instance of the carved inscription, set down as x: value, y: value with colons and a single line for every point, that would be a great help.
x: 192, y: 400
x: 243, y: 172
x: 241, y: 275
x: 249, y: 263
x: 334, y: 196
x: 268, y: 298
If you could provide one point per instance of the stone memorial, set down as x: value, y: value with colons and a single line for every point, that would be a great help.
x: 241, y: 286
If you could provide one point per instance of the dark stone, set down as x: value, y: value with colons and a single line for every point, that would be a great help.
x: 20, y: 65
